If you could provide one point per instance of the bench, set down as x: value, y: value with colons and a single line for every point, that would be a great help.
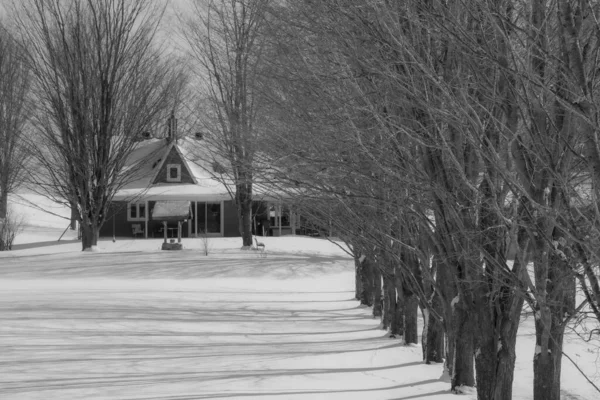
x: 137, y: 229
x: 259, y: 245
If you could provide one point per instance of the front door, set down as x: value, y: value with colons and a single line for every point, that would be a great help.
x: 213, y: 217
x: 208, y: 218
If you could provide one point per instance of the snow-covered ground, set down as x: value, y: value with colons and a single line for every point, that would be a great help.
x: 134, y: 322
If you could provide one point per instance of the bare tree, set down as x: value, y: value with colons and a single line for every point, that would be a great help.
x: 427, y: 127
x: 14, y: 116
x: 100, y: 82
x: 225, y: 42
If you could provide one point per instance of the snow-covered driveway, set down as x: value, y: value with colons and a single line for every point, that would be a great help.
x: 146, y: 324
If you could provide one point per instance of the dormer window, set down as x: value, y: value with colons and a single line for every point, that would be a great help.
x: 173, y: 172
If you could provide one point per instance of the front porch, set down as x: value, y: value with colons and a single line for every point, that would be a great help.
x: 213, y: 218
x: 216, y: 218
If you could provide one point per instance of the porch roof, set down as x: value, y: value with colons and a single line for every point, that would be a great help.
x: 171, y: 210
x: 197, y: 192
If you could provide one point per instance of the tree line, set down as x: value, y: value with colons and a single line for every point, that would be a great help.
x: 454, y: 147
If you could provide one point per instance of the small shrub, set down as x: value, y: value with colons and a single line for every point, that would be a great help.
x: 10, y: 227
x: 206, y: 245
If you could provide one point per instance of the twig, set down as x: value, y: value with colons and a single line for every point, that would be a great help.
x: 341, y: 247
x: 581, y: 372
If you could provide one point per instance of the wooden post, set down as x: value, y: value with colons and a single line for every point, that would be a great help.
x: 292, y: 222
x: 279, y: 211
x: 178, y: 231
x: 146, y: 220
x: 165, y: 230
x: 222, y: 216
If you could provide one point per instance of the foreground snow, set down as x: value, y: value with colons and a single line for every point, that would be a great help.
x: 134, y: 322
x: 127, y: 324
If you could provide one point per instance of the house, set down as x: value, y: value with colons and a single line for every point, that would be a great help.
x: 178, y: 173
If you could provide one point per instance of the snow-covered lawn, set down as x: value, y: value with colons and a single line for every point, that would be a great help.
x: 134, y: 322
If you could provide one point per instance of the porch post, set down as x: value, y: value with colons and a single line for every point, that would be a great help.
x: 292, y: 221
x: 146, y: 220
x: 266, y: 233
x: 165, y: 230
x: 196, y: 217
x: 189, y: 224
x: 178, y: 231
x: 222, y: 218
x: 279, y: 211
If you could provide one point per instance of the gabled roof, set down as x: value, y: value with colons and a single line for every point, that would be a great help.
x: 148, y: 158
x: 168, y: 156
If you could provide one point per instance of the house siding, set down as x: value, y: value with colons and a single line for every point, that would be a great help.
x: 173, y: 158
x: 117, y: 220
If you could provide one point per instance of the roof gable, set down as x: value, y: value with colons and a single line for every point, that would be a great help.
x: 151, y: 159
x: 173, y: 158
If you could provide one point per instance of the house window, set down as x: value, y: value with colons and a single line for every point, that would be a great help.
x: 136, y: 212
x: 173, y: 172
x: 277, y: 214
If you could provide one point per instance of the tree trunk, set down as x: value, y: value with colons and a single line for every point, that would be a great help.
x: 377, y: 306
x: 561, y: 300
x: 463, y: 373
x: 89, y: 236
x: 358, y: 280
x: 505, y: 368
x: 495, y: 356
x: 247, y: 221
x: 434, y: 343
x: 496, y: 307
x: 446, y: 287
x: 389, y: 300
x: 547, y: 367
x: 3, y: 213
x: 411, y: 311
x: 398, y: 321
x: 244, y: 207
x: 367, y: 283
x: 496, y: 337
x: 74, y: 216
x: 3, y: 202
x: 485, y: 360
x: 501, y: 335
x: 425, y: 316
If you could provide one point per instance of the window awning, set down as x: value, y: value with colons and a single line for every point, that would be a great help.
x: 171, y: 210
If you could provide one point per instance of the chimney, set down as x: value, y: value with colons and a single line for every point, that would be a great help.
x: 143, y: 136
x: 172, y: 127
